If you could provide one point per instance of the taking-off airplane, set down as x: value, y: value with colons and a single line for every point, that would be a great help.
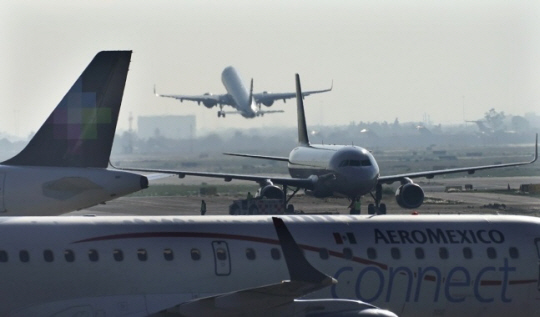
x: 312, y: 266
x: 342, y: 170
x: 64, y: 166
x: 246, y: 103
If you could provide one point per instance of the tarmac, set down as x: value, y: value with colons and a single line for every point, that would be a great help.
x: 437, y: 201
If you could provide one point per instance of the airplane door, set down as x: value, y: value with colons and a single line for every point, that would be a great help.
x: 2, y: 182
x: 221, y: 258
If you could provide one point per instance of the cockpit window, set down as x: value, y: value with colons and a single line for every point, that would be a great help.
x: 365, y: 162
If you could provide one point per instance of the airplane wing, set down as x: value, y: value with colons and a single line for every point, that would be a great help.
x: 263, y: 112
x: 304, y: 279
x: 470, y: 170
x: 268, y: 98
x: 274, y: 158
x: 207, y: 99
x: 306, y: 183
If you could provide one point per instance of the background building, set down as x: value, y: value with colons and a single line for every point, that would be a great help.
x: 170, y: 127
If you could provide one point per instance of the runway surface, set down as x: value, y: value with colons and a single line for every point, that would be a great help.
x: 437, y: 201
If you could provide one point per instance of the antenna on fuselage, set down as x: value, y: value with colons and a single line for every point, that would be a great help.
x: 302, y: 128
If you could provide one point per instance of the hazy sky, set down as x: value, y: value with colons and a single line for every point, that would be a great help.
x: 388, y: 59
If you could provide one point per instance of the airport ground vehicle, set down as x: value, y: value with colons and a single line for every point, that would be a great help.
x: 259, y: 206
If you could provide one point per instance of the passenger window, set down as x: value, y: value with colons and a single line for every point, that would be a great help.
x: 347, y: 253
x: 250, y: 254
x: 3, y: 256
x: 443, y: 253
x: 276, y: 255
x: 419, y: 252
x: 491, y: 253
x: 396, y: 253
x: 168, y: 254
x: 69, y: 255
x: 323, y: 254
x: 93, y: 255
x: 24, y: 256
x: 514, y: 252
x: 372, y: 253
x: 467, y: 253
x: 195, y: 254
x: 118, y: 255
x: 221, y: 254
x: 142, y: 255
x: 48, y: 256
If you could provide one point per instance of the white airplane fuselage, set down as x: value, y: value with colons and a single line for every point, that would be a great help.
x: 43, y: 191
x: 412, y: 265
x: 355, y: 169
x: 238, y: 92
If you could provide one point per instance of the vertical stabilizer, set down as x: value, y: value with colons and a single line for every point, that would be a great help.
x: 80, y: 131
x: 302, y: 128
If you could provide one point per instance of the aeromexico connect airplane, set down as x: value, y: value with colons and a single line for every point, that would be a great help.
x: 64, y: 166
x: 342, y: 170
x: 246, y: 103
x: 328, y: 265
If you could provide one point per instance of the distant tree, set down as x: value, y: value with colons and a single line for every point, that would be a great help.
x: 520, y: 123
x: 495, y: 119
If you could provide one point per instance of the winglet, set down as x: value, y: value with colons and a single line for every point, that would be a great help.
x: 80, y: 130
x: 155, y: 93
x: 299, y: 268
x: 535, y: 150
x: 302, y: 128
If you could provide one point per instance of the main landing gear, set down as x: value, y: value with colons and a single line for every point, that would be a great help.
x: 289, y: 208
x: 220, y: 112
x: 377, y: 208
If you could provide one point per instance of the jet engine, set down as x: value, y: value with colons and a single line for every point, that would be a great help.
x: 209, y: 103
x: 268, y: 103
x: 410, y: 196
x: 271, y: 192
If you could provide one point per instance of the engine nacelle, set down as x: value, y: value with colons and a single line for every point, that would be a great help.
x: 209, y: 104
x: 336, y: 308
x: 410, y: 196
x: 271, y: 192
x: 268, y: 103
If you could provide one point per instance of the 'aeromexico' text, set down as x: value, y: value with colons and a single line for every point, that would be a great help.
x: 439, y: 236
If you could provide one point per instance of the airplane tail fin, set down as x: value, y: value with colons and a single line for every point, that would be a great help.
x: 250, y: 100
x: 80, y: 130
x: 302, y: 128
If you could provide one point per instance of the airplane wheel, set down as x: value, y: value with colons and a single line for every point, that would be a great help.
x: 218, y: 114
x: 371, y: 209
x: 223, y: 114
x: 290, y: 209
x: 382, y: 209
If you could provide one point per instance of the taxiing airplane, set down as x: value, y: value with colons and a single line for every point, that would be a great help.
x: 363, y: 266
x: 328, y: 170
x: 64, y: 166
x: 245, y: 102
